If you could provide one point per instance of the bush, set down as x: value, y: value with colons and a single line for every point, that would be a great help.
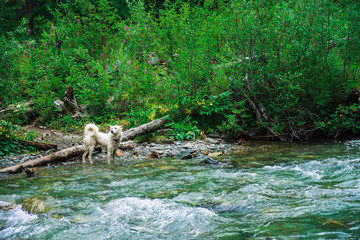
x: 8, y: 142
x: 184, y: 130
x: 343, y: 123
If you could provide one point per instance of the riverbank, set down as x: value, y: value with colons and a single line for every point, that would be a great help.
x: 200, y: 149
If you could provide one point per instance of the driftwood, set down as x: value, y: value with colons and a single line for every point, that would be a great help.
x: 38, y: 145
x: 77, y: 151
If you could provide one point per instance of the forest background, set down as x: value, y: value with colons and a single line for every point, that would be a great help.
x: 287, y: 70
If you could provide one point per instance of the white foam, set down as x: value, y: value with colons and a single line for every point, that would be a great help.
x: 313, y: 174
x: 158, y: 215
x: 15, y: 221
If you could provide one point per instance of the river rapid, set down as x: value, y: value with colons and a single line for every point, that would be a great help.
x: 278, y: 191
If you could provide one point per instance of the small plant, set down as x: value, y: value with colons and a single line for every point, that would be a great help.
x: 184, y: 130
x: 31, y: 135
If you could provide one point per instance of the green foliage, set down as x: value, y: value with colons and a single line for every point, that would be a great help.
x: 184, y: 130
x: 344, y: 122
x: 66, y: 123
x: 8, y: 142
x: 298, y: 60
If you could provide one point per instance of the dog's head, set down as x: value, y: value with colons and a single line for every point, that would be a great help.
x: 116, y: 130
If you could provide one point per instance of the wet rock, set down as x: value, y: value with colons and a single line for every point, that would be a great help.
x: 57, y: 216
x: 215, y: 154
x: 7, y: 207
x: 211, y: 140
x: 185, y: 155
x: 34, y: 205
x: 192, y: 150
x: 30, y: 172
x: 186, y: 146
x: 209, y: 161
x: 154, y: 154
x: 159, y: 149
x: 170, y: 154
x: 212, y: 147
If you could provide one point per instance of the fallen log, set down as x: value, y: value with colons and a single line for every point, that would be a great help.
x: 144, y: 129
x: 76, y: 151
x: 52, y: 158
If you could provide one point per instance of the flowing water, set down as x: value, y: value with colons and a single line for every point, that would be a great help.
x: 279, y: 191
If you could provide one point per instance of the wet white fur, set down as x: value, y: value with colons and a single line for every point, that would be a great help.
x: 108, y: 141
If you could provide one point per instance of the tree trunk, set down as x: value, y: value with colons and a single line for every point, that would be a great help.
x: 76, y: 151
x: 70, y: 103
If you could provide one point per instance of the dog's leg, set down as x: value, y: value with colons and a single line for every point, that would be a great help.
x: 108, y: 155
x: 113, y: 156
x: 91, y: 150
x: 84, y: 155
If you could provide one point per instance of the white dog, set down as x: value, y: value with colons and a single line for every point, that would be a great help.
x: 108, y: 141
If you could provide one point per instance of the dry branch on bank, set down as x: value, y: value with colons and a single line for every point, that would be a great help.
x: 76, y: 151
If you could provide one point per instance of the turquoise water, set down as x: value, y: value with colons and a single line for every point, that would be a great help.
x: 277, y: 191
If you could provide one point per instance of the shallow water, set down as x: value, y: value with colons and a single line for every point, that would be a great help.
x: 279, y: 191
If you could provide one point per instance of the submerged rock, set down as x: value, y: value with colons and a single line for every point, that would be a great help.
x: 185, y: 155
x: 209, y: 161
x: 34, y: 205
x: 81, y: 218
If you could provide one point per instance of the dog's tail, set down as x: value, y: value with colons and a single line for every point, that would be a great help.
x: 91, y: 129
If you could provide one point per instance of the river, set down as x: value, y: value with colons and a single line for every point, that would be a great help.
x: 279, y: 191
